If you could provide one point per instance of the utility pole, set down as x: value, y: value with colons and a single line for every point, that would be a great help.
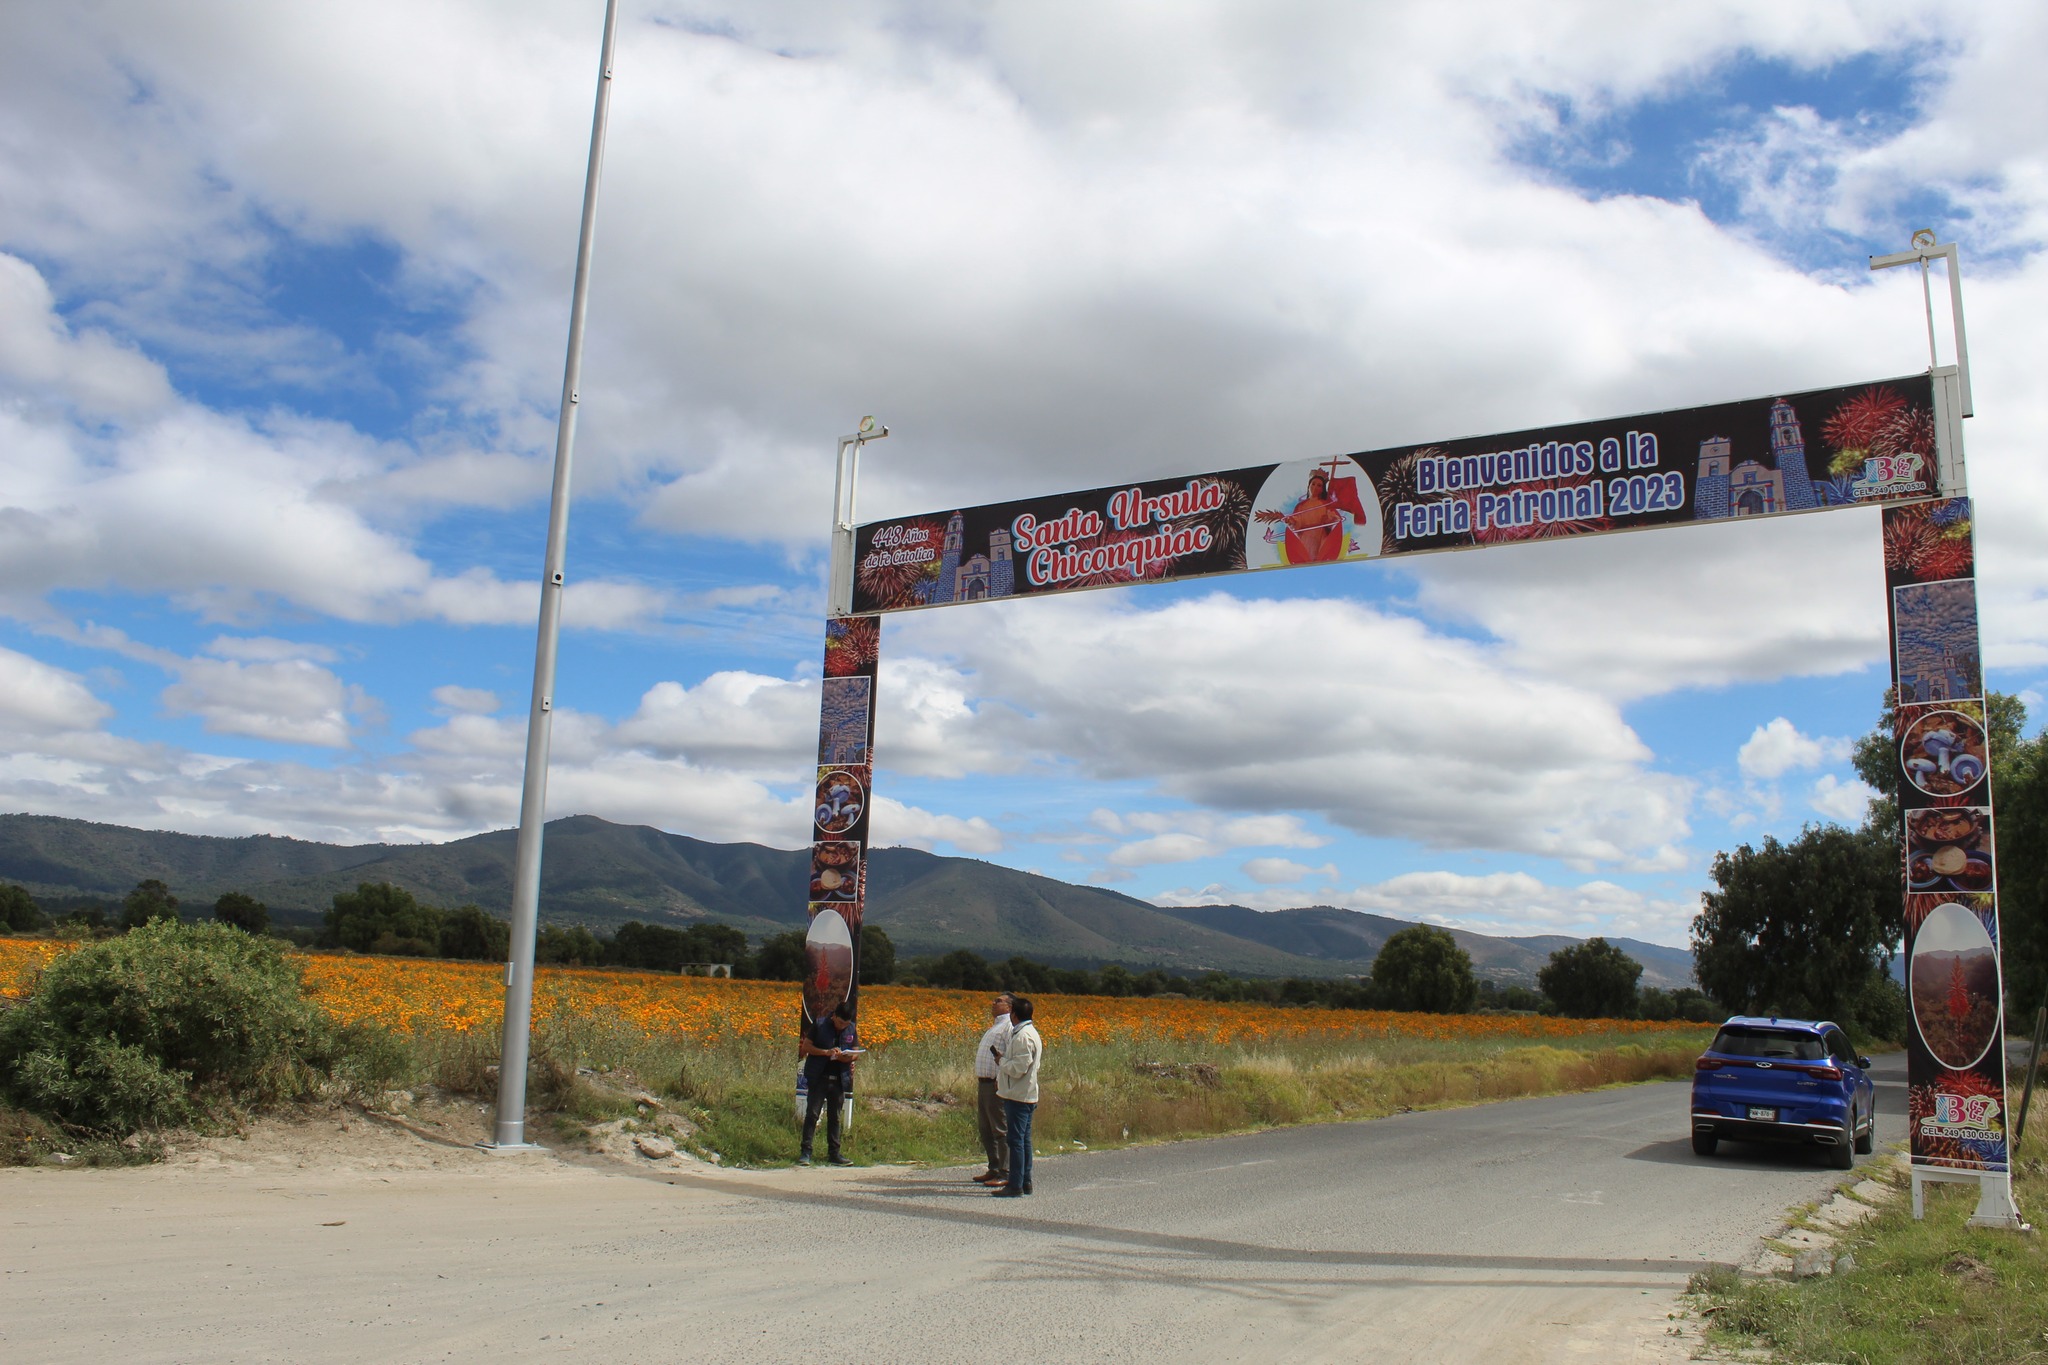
x: 510, y: 1135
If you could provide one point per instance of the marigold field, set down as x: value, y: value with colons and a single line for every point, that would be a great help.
x: 417, y: 996
x: 1117, y: 1070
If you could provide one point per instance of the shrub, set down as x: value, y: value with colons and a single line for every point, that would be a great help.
x: 243, y: 911
x: 472, y: 933
x: 18, y: 909
x: 1423, y: 968
x: 378, y: 917
x: 148, y: 903
x: 1591, y: 980
x: 160, y: 1027
x: 782, y: 957
x: 1878, y: 1013
x: 571, y: 945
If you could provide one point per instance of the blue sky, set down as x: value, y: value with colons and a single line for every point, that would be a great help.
x: 282, y: 303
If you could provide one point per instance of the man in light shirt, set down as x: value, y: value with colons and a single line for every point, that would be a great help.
x: 988, y: 1106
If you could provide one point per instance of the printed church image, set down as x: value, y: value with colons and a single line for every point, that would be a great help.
x: 1749, y: 489
x: 971, y: 578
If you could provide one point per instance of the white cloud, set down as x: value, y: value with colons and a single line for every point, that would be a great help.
x: 469, y: 700
x: 42, y: 358
x: 1368, y: 721
x: 267, y: 649
x: 36, y: 697
x: 765, y: 727
x: 456, y: 778
x: 293, y: 701
x: 1163, y: 848
x: 1181, y: 836
x: 1285, y: 871
x: 895, y: 824
x: 1846, y: 802
x: 1502, y: 903
x: 1777, y: 748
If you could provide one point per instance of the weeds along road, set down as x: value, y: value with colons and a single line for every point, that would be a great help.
x: 1536, y: 1230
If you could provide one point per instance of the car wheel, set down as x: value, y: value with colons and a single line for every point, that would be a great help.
x: 1869, y: 1135
x: 1703, y: 1144
x: 1842, y: 1156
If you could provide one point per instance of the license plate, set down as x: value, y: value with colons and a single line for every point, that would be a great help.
x: 1763, y: 1113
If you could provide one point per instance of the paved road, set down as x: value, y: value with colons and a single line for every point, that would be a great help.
x: 1540, y: 1230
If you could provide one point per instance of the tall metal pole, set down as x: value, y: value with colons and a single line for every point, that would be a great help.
x: 1927, y: 247
x: 533, y: 798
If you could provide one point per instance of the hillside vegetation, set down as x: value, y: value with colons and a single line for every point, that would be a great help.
x: 602, y: 875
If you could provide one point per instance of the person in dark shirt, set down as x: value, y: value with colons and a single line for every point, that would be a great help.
x: 826, y: 1047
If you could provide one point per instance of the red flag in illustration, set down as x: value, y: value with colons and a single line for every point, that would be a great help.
x: 1344, y: 492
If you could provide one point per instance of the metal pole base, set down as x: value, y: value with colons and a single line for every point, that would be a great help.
x: 511, y: 1137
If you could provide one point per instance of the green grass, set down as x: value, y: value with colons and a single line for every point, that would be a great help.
x: 914, y: 1100
x: 1933, y: 1292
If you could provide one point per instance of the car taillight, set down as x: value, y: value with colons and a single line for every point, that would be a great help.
x: 1707, y: 1064
x: 1826, y: 1073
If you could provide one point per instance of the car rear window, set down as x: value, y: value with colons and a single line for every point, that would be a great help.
x: 1760, y: 1042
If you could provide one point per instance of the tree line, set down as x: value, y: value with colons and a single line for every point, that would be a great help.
x: 381, y: 918
x: 148, y: 903
x: 1418, y: 969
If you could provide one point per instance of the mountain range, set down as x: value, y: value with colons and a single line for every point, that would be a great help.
x: 603, y: 874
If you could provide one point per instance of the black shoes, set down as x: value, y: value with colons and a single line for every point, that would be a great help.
x: 804, y: 1159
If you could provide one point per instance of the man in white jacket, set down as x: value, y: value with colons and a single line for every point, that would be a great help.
x: 988, y: 1106
x: 1017, y: 1085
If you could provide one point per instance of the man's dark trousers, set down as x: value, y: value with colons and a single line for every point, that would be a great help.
x: 825, y: 1095
x: 994, y: 1125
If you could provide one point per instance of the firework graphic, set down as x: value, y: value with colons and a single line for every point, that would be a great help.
x: 852, y: 645
x: 1226, y: 525
x: 1926, y: 542
x: 904, y: 573
x: 1877, y: 423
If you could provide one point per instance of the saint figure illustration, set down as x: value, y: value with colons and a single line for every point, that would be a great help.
x: 1318, y: 528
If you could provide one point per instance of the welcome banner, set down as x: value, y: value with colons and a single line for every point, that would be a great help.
x: 1799, y: 452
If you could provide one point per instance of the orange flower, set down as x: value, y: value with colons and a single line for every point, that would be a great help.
x: 416, y: 996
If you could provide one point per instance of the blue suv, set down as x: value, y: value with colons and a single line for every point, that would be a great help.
x: 1784, y: 1080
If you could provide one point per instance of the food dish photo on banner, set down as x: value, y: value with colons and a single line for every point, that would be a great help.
x: 840, y: 808
x: 1955, y: 1070
x: 1801, y: 452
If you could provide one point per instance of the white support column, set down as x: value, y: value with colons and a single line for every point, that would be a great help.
x: 845, y: 474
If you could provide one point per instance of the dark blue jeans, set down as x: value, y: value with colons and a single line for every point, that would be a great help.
x: 823, y: 1098
x: 1019, y: 1114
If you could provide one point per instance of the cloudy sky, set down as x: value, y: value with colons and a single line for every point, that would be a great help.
x: 283, y: 296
